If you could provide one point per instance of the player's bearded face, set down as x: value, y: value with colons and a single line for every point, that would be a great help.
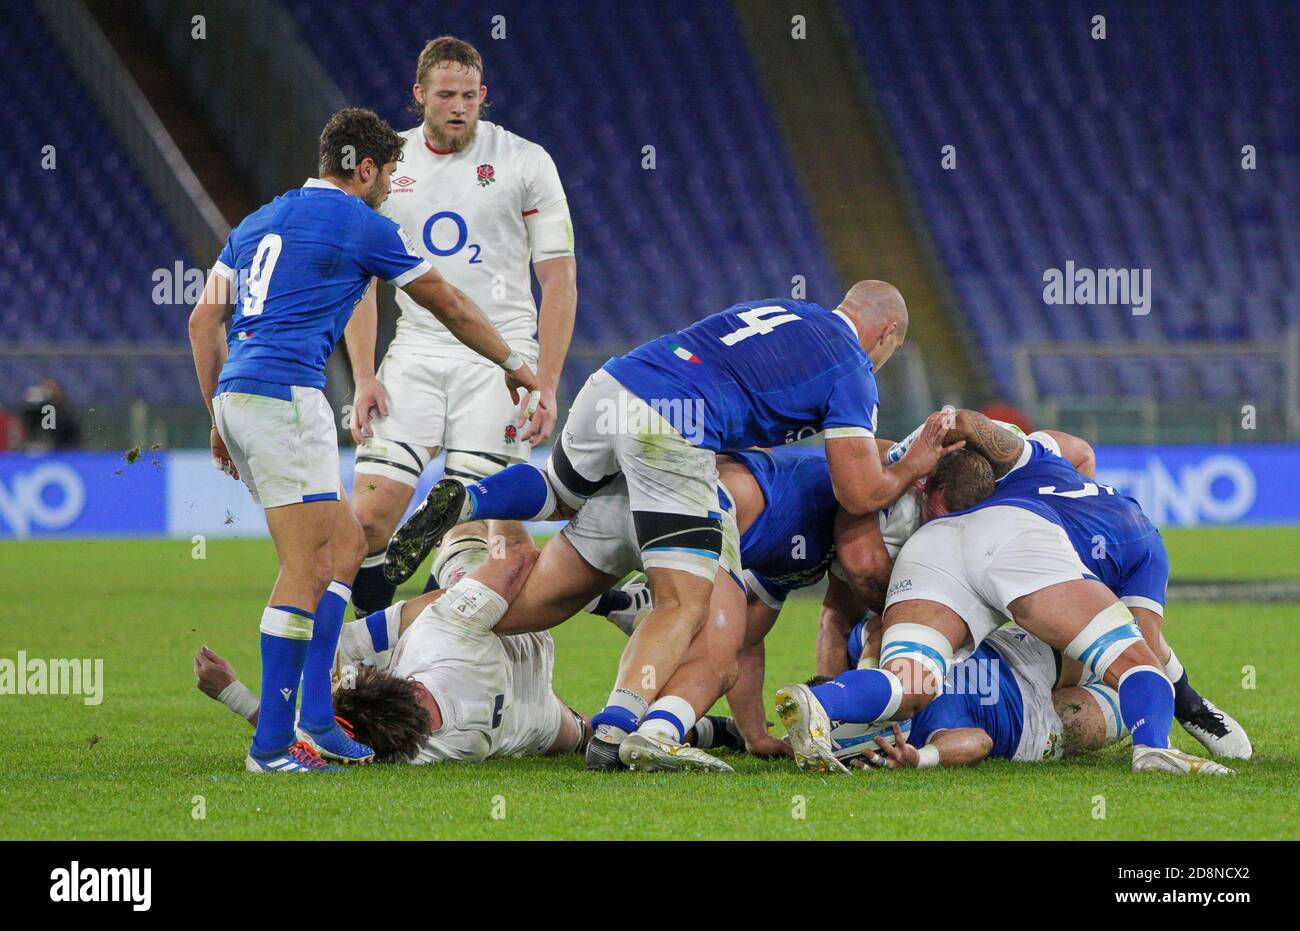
x: 452, y: 96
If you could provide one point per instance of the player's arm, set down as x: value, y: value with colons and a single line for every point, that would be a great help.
x: 360, y: 337
x: 958, y: 746
x: 558, y: 278
x: 208, y: 344
x: 841, y: 609
x: 863, y: 558
x: 470, y: 325
x: 1000, y: 446
x: 1078, y: 452
x: 863, y: 484
x: 746, y: 695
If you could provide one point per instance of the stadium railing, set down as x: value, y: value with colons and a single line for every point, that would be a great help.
x: 135, y: 401
x: 1146, y: 420
x: 152, y: 150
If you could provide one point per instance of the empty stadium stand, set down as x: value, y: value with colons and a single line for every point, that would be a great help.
x: 1122, y: 152
x: 81, y: 241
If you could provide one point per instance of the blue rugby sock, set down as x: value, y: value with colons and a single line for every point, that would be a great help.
x: 1146, y: 703
x: 519, y: 492
x: 859, y: 696
x: 377, y: 624
x: 317, y: 704
x: 286, y: 632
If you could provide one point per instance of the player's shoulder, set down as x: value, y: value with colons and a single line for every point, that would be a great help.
x: 508, y: 143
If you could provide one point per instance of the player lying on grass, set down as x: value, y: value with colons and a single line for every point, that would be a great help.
x: 987, y: 553
x: 1015, y: 698
x: 400, y: 723
x: 1129, y: 557
x: 762, y: 373
x: 287, y: 280
x: 428, y: 680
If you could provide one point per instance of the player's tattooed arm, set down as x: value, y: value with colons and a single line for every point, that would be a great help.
x: 1001, y: 447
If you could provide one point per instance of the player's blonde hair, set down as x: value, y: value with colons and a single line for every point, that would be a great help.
x: 444, y: 49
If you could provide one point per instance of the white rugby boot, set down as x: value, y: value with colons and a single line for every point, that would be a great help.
x: 1170, y: 760
x: 808, y: 728
x: 652, y: 753
x: 1218, y: 732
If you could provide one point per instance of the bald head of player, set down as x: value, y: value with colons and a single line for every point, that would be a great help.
x: 879, y: 312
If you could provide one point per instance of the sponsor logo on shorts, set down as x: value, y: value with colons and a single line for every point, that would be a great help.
x: 902, y: 585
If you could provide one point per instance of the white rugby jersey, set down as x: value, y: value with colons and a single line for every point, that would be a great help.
x: 465, y: 212
x: 494, y: 692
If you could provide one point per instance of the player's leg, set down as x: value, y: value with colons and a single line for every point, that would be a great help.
x: 684, y: 526
x: 301, y: 533
x: 581, y: 464
x: 378, y: 502
x: 287, y: 454
x: 707, y: 672
x: 931, y: 611
x: 316, y: 723
x: 1084, y: 620
x: 558, y: 587
x: 1144, y: 594
x: 389, y: 464
x: 1090, y: 717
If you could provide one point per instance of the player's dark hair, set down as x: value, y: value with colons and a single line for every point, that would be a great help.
x: 384, y: 714
x: 445, y: 49
x: 353, y: 135
x: 965, y: 477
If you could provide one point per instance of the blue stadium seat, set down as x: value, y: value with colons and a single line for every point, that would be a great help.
x: 81, y: 241
x: 1124, y: 152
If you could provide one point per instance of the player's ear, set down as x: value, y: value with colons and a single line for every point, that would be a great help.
x: 418, y: 91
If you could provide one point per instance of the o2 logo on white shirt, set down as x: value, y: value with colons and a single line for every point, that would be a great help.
x: 462, y: 236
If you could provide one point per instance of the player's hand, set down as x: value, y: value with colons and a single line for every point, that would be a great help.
x: 768, y: 746
x: 928, y: 449
x: 529, y: 399
x: 369, y: 398
x: 221, y: 456
x: 898, y: 755
x: 212, y: 672
x: 542, y: 424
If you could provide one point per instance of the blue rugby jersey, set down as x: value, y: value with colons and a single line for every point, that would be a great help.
x: 301, y: 263
x: 767, y: 372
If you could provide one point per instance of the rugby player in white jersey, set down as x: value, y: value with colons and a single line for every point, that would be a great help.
x: 429, y: 680
x: 479, y: 203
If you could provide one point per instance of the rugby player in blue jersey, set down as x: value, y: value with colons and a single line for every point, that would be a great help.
x: 762, y: 373
x: 988, y: 553
x: 287, y: 281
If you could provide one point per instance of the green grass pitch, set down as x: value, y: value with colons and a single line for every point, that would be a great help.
x: 136, y: 765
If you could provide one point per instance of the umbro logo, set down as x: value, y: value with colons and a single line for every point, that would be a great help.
x: 402, y: 185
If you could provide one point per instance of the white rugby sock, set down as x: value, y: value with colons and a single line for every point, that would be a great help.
x: 670, y: 717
